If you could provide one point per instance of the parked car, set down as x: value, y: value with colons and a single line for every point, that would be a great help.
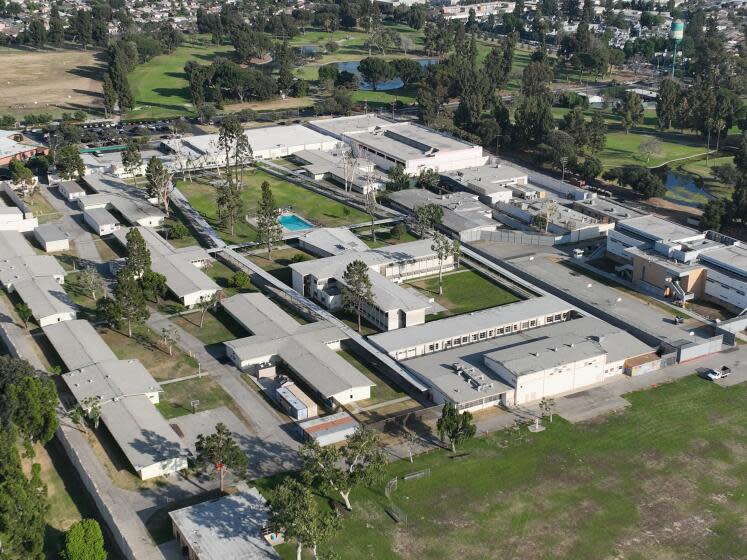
x: 716, y: 374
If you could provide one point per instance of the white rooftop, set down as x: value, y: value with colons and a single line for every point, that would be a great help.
x: 226, y: 528
x: 44, y: 296
x: 659, y: 229
x: 78, y: 344
x: 334, y: 240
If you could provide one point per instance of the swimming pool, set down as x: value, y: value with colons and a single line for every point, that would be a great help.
x: 291, y: 222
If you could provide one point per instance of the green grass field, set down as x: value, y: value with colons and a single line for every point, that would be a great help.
x: 160, y: 86
x: 314, y: 207
x: 176, y: 397
x: 622, y: 148
x: 665, y: 479
x: 465, y: 291
x: 218, y: 326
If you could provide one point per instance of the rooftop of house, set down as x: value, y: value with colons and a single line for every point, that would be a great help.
x: 658, y: 229
x: 226, y: 528
x: 50, y: 232
x: 26, y: 267
x: 334, y: 240
x: 462, y: 211
x: 607, y: 207
x: 44, y: 296
x: 304, y: 348
x: 78, y: 344
x: 489, y: 178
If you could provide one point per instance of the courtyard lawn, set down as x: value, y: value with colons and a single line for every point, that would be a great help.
x: 176, y: 397
x: 217, y: 327
x: 146, y: 346
x: 281, y: 259
x: 311, y: 206
x: 222, y: 275
x: 383, y: 391
x: 160, y: 86
x: 383, y: 238
x: 699, y: 169
x: 465, y: 291
x: 667, y: 478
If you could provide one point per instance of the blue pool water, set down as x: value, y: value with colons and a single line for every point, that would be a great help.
x: 291, y: 222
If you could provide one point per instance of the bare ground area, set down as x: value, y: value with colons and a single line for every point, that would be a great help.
x: 50, y: 81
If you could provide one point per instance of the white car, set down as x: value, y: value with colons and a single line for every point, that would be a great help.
x: 715, y: 374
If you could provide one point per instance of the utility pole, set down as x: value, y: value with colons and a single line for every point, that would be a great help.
x: 563, y: 163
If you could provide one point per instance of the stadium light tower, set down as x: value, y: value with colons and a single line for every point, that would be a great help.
x: 676, y: 34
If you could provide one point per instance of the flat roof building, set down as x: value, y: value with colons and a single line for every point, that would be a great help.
x: 181, y: 267
x: 78, y: 344
x: 128, y: 394
x: 47, y: 300
x: 269, y: 142
x: 14, y: 145
x: 492, y: 183
x: 443, y: 334
x: 71, y: 190
x: 393, y: 306
x: 414, y: 147
x: 330, y: 429
x: 101, y: 221
x: 52, y: 238
x: 326, y: 242
x: 362, y: 175
x: 231, y: 527
x: 524, y: 367
x: 127, y: 200
x: 605, y: 210
x: 15, y: 214
x: 463, y: 214
x: 309, y: 351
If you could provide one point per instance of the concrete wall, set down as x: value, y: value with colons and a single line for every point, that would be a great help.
x: 697, y: 350
x: 727, y: 289
x: 519, y: 237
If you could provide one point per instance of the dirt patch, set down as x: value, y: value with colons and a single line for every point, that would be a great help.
x: 51, y: 81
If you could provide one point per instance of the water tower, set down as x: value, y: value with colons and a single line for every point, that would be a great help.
x: 676, y: 34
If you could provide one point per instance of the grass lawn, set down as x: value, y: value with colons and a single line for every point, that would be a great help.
x: 383, y: 238
x: 81, y: 296
x: 465, y: 291
x: 42, y: 209
x: 160, y: 86
x: 383, y: 391
x: 665, y: 479
x: 314, y: 207
x: 622, y: 148
x: 217, y: 327
x: 281, y: 259
x: 187, y: 241
x: 698, y: 168
x: 176, y: 396
x: 67, y: 499
x: 146, y: 346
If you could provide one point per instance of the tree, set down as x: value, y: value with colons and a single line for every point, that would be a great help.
x: 56, y: 34
x: 590, y: 168
x: 69, y: 163
x: 359, y: 462
x: 240, y: 280
x: 667, y: 103
x: 110, y: 95
x: 206, y: 303
x: 427, y: 216
x: 269, y: 230
x: 428, y: 179
x: 713, y: 215
x: 91, y: 281
x: 294, y: 509
x: 20, y: 174
x: 24, y: 313
x: 230, y: 206
x: 649, y: 147
x: 138, y: 255
x: 444, y: 248
x: 84, y: 541
x: 221, y: 451
x: 574, y: 123
x: 630, y: 110
x: 455, y: 426
x: 33, y: 401
x: 357, y: 291
x: 169, y: 337
x: 596, y: 133
x: 91, y: 407
x: 132, y: 160
x: 159, y: 184
x: 397, y: 179
x: 153, y: 284
x: 547, y: 406
x: 371, y: 209
x: 235, y: 145
x: 177, y: 230
x: 375, y: 70
x: 129, y: 299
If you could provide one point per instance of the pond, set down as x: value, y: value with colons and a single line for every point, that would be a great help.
x: 396, y: 83
x: 683, y: 189
x: 308, y: 50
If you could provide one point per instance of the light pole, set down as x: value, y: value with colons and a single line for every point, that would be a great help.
x: 563, y: 163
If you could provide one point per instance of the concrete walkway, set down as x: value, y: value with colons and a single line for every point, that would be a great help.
x: 274, y: 449
x: 72, y: 224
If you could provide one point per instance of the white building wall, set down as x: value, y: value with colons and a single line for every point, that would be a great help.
x: 352, y: 395
x: 617, y: 243
x: 194, y: 298
x: 162, y: 468
x: 725, y: 289
x: 54, y: 246
x: 56, y: 318
x: 69, y: 196
x: 100, y: 229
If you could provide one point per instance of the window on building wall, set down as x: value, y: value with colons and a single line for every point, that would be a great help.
x: 533, y: 323
x: 483, y: 335
x: 525, y: 325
